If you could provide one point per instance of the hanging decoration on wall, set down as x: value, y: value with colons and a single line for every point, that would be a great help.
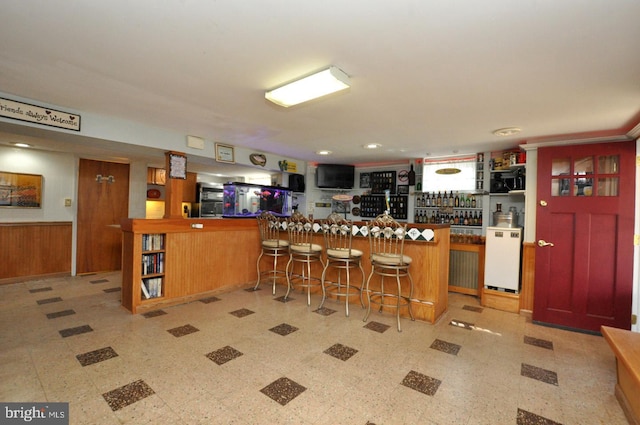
x: 38, y: 115
x: 20, y: 190
x: 258, y: 159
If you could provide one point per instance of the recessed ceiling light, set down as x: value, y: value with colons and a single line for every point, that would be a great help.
x: 507, y: 131
x: 372, y: 146
x: 21, y: 145
x: 324, y: 152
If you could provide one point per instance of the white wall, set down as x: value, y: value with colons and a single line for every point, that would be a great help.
x: 59, y: 173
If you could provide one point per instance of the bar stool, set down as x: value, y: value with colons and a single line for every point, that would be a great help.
x: 338, y: 232
x: 272, y: 246
x: 302, y: 250
x: 386, y: 239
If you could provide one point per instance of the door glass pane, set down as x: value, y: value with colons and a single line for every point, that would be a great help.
x: 583, y: 166
x: 608, y: 186
x: 560, y: 187
x: 583, y: 186
x: 561, y: 166
x: 608, y: 164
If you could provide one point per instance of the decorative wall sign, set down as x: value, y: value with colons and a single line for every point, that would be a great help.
x: 38, y: 115
x: 258, y: 159
x: 177, y: 166
x: 288, y: 166
x: 225, y: 153
x: 20, y: 190
x: 365, y: 180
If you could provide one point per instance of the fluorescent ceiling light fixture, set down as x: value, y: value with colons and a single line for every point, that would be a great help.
x: 320, y: 84
x: 324, y: 152
x: 21, y: 145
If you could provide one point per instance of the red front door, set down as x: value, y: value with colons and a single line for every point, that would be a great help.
x: 584, y: 257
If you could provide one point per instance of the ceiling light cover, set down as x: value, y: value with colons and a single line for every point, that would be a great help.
x: 324, y: 152
x: 372, y: 146
x: 320, y: 84
x: 507, y: 131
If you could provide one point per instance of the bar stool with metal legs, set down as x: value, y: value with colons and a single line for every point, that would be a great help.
x: 271, y: 246
x: 386, y: 239
x: 341, y: 256
x: 303, y: 251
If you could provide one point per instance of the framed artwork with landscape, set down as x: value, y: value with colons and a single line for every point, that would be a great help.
x: 19, y: 190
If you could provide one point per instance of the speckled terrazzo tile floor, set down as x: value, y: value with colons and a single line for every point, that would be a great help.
x: 241, y: 358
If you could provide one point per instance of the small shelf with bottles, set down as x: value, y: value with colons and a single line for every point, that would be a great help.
x: 458, y: 210
x: 152, y: 266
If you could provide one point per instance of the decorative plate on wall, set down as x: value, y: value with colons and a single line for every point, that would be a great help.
x: 355, y: 211
x: 153, y: 194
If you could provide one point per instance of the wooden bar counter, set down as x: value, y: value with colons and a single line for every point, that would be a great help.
x: 203, y: 257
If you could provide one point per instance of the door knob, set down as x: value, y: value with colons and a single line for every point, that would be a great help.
x: 542, y: 242
x: 543, y: 203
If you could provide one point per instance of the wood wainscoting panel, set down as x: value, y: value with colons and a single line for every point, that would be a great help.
x: 35, y: 249
x: 528, y: 276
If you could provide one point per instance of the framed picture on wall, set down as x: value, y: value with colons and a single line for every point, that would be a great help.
x: 365, y: 180
x: 225, y: 153
x: 403, y: 189
x: 19, y: 190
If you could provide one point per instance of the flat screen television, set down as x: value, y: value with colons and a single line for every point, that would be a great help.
x: 335, y: 176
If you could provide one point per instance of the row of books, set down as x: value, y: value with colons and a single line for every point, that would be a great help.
x: 153, y: 263
x: 151, y: 288
x: 152, y: 242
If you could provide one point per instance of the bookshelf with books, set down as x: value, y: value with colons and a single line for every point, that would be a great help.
x: 151, y: 284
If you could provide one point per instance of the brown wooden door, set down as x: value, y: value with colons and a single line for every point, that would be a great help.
x: 584, y: 257
x: 101, y: 205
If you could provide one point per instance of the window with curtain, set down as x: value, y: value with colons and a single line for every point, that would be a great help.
x: 457, y: 174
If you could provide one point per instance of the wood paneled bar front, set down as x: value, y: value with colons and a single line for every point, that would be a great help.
x: 207, y: 257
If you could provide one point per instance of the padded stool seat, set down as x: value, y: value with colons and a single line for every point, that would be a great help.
x: 340, y: 256
x: 271, y: 246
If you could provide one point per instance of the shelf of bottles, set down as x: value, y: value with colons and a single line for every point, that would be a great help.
x: 456, y: 209
x: 373, y: 205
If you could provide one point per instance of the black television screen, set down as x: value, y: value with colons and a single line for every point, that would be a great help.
x: 335, y: 176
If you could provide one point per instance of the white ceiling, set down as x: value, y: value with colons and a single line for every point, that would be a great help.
x: 428, y: 76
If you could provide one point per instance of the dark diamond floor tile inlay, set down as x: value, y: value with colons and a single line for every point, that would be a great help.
x: 324, y: 311
x: 473, y: 308
x: 528, y: 418
x: 110, y: 290
x: 283, y: 329
x: 243, y: 312
x: 154, y: 313
x: 209, y: 300
x: 44, y: 289
x: 75, y: 331
x: 446, y: 347
x: 422, y: 383
x: 283, y: 390
x: 542, y: 343
x: 99, y: 281
x: 127, y: 394
x: 282, y: 299
x: 96, y: 356
x: 376, y: 326
x: 540, y: 374
x: 224, y: 355
x: 341, y: 352
x: 183, y: 330
x: 461, y: 324
x: 49, y: 300
x: 62, y: 313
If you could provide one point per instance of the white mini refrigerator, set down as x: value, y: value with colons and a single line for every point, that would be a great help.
x: 502, y: 258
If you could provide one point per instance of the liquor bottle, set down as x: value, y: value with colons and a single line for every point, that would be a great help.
x: 456, y: 200
x: 439, y: 200
x: 412, y: 176
x: 456, y: 219
x: 466, y: 219
x: 450, y: 199
x: 473, y: 201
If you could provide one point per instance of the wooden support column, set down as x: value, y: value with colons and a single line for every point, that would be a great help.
x: 174, y: 186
